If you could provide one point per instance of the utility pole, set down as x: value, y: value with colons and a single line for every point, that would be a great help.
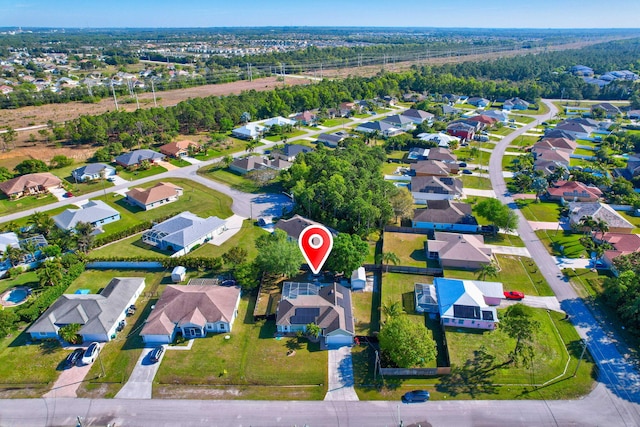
x: 115, y: 101
x: 584, y: 349
x: 153, y: 90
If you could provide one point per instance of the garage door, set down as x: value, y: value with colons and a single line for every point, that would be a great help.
x: 339, y: 340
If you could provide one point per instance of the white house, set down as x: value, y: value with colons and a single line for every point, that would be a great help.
x: 468, y: 303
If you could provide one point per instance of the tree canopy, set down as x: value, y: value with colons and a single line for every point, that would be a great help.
x: 500, y: 215
x: 406, y: 343
x: 278, y: 255
x: 348, y: 253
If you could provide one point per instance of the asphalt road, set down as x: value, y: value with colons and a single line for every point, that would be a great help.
x: 620, y: 377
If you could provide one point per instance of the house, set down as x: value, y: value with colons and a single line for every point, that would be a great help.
x: 250, y: 131
x: 400, y: 122
x: 294, y: 226
x: 445, y: 215
x: 9, y: 239
x: 247, y: 164
x: 279, y: 121
x: 329, y: 307
x: 483, y: 119
x: 610, y: 110
x: 182, y: 232
x: 382, y: 128
x: 581, y: 70
x: 573, y: 191
x: 158, y: 195
x: 430, y: 168
x: 450, y: 98
x: 633, y: 114
x: 515, y: 104
x: 93, y: 171
x: 462, y: 251
x: 30, y: 184
x: 98, y: 314
x: 461, y: 130
x: 548, y: 166
x: 566, y: 144
x: 193, y: 311
x: 94, y: 212
x: 424, y: 188
x: 442, y: 139
x: 347, y: 108
x: 418, y: 116
x: 499, y: 115
x: 599, y: 212
x: 444, y: 155
x: 479, y: 102
x: 542, y: 153
x: 447, y: 109
x: 134, y: 158
x: 358, y: 279
x: 290, y: 151
x: 468, y: 303
x: 577, y: 130
x: 306, y: 118
x: 178, y: 274
x: 179, y: 149
x: 623, y: 244
x: 332, y: 139
x: 558, y: 133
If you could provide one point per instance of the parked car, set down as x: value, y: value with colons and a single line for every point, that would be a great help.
x: 228, y: 282
x: 513, y: 295
x: 111, y: 179
x: 91, y: 353
x: 121, y: 325
x: 466, y: 172
x: 462, y: 164
x: 416, y: 396
x: 156, y: 354
x: 73, y: 358
x: 68, y: 194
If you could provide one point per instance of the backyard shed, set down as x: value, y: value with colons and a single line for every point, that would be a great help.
x: 358, y: 279
x: 178, y: 274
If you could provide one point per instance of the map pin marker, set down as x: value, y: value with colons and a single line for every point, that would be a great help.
x: 316, y: 243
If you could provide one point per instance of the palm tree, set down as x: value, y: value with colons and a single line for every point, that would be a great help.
x: 14, y: 255
x: 587, y: 223
x: 540, y: 185
x: 488, y: 270
x: 388, y: 257
x: 602, y: 226
x: 50, y: 273
x: 85, y: 237
x: 392, y: 309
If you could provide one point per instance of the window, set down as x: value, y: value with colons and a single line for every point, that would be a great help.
x: 460, y: 321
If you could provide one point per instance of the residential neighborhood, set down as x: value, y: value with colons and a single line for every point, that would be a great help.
x: 483, y: 243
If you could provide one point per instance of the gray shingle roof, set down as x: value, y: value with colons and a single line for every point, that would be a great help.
x: 185, y: 228
x: 90, y: 169
x: 97, y: 313
x: 137, y: 156
x: 91, y: 212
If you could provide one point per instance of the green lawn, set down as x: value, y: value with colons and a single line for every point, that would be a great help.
x: 245, y: 238
x: 131, y: 246
x: 252, y: 361
x: 196, y: 198
x: 277, y: 138
x: 335, y: 122
x: 29, y: 278
x: 522, y: 119
x: 556, y: 339
x: 29, y: 202
x: 504, y: 240
x: 237, y: 181
x: 179, y: 162
x: 635, y: 220
x: 541, y: 211
x: 139, y: 174
x: 79, y: 188
x: 504, y: 131
x: 506, y: 161
x: 524, y: 141
x: 562, y: 243
x: 471, y: 181
x: 583, y: 152
x: 516, y: 274
x: 408, y: 247
x: 390, y: 168
x: 366, y: 312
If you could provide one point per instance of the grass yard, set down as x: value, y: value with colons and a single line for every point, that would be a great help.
x: 516, y: 274
x: 197, y: 199
x: 252, y: 362
x: 179, y: 162
x: 96, y: 280
x: 139, y: 174
x: 245, y: 238
x: 400, y: 287
x: 29, y: 278
x: 504, y: 240
x: 471, y: 181
x: 79, y: 188
x: 503, y: 131
x: 366, y: 312
x: 8, y: 206
x: 506, y: 161
x: 523, y: 119
x: 635, y: 220
x: 408, y: 247
x: 277, y: 138
x: 335, y: 122
x: 583, y: 152
x: 541, y: 211
x: 588, y: 282
x: 390, y: 168
x: 562, y: 243
x: 132, y: 246
x: 524, y: 141
x: 237, y: 181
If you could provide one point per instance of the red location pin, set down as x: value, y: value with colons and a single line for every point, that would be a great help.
x: 316, y: 243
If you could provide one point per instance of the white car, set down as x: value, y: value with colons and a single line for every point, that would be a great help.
x: 91, y: 353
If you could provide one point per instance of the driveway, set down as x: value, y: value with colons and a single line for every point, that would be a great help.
x: 541, y: 225
x: 191, y: 160
x: 509, y: 250
x: 140, y: 382
x: 573, y: 262
x: 550, y: 303
x: 59, y: 193
x: 481, y: 193
x: 234, y: 224
x: 340, y: 375
x: 69, y: 380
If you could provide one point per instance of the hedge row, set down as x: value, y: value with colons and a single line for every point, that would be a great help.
x: 31, y: 310
x: 198, y: 263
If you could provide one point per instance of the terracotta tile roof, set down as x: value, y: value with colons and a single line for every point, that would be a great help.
x: 19, y: 184
x: 173, y: 148
x: 160, y: 191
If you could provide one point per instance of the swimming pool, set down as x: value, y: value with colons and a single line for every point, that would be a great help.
x: 15, y: 296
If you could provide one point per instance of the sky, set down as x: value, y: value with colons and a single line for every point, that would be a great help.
x: 370, y: 13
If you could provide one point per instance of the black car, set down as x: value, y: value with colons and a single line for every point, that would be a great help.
x: 467, y: 172
x: 73, y: 358
x: 416, y: 396
x: 156, y: 354
x: 462, y: 164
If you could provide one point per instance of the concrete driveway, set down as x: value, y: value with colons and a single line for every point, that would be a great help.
x: 69, y: 380
x: 509, y: 250
x: 341, y: 375
x: 550, y: 303
x: 140, y: 382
